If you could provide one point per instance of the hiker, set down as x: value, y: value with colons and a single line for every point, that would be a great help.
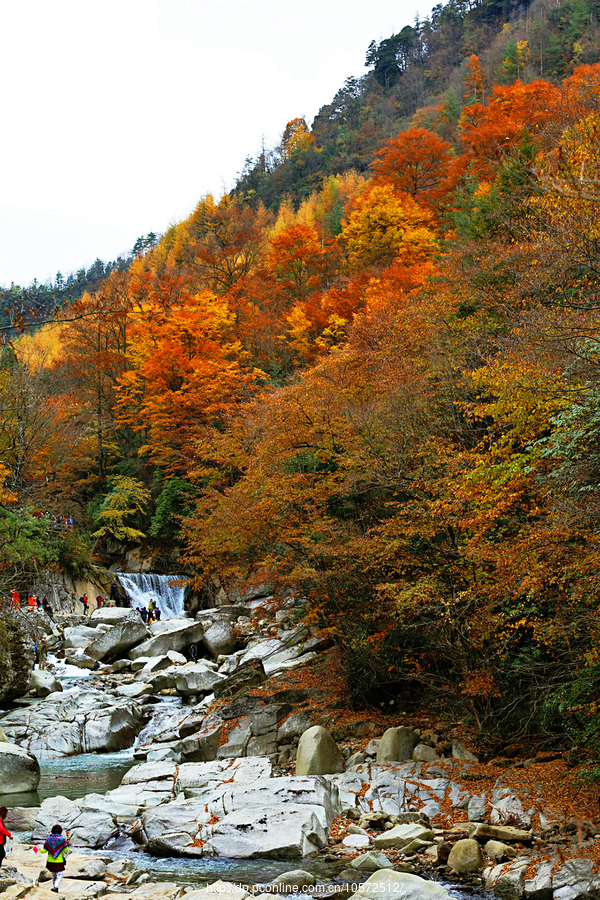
x: 84, y: 602
x: 47, y: 608
x: 42, y: 653
x: 3, y: 832
x: 157, y: 612
x: 144, y: 614
x: 32, y: 602
x: 36, y: 655
x: 114, y: 592
x: 194, y: 652
x: 57, y: 847
x: 15, y: 599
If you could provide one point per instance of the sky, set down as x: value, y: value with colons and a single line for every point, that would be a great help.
x: 119, y: 116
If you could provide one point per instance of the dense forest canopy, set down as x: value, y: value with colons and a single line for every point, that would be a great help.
x: 368, y: 374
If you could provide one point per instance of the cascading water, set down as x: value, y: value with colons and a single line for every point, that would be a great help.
x: 167, y: 590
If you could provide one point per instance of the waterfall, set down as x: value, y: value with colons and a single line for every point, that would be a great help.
x: 167, y: 590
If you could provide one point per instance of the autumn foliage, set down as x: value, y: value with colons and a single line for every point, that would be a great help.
x: 385, y: 397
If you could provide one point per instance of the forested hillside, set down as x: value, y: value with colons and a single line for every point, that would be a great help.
x: 369, y: 375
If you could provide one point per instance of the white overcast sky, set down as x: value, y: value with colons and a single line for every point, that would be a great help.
x: 117, y: 116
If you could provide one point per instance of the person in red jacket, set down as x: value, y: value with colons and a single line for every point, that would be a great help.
x: 3, y: 832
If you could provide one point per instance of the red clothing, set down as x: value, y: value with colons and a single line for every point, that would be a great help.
x: 3, y: 833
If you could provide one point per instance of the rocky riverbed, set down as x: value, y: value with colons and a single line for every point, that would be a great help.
x: 248, y: 754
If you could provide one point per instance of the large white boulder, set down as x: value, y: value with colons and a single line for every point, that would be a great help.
x: 387, y: 884
x: 19, y: 769
x: 86, y: 827
x: 177, y: 635
x: 43, y: 683
x: 277, y: 832
x: 114, y: 615
x: 220, y: 638
x: 196, y: 679
x: 318, y: 753
x: 117, y: 640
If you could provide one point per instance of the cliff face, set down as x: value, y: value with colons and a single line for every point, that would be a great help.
x: 16, y: 657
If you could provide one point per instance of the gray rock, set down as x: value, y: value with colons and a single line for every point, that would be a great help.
x: 466, y: 856
x: 122, y: 871
x: 400, y: 836
x: 86, y: 827
x: 424, y: 753
x: 19, y: 769
x: 114, y: 615
x: 220, y: 639
x: 117, y: 640
x: 293, y: 881
x: 459, y: 751
x: 396, y: 745
x: 86, y: 867
x: 181, y: 634
x: 371, y: 862
x: 196, y: 679
x: 134, y: 691
x: 572, y: 881
x: 79, y: 637
x: 276, y: 832
x: 357, y: 759
x: 506, y: 833
x: 294, y: 726
x: 318, y: 754
x: 540, y: 886
x: 43, y: 683
x: 386, y: 884
x: 476, y: 808
x: 509, y: 884
x: 498, y: 851
x: 219, y: 890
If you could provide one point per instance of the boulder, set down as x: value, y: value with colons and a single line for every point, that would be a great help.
x: 16, y: 653
x: 134, y: 691
x: 572, y: 880
x: 466, y: 856
x: 396, y: 745
x: 220, y: 890
x: 292, y: 882
x: 79, y: 637
x: 87, y: 867
x: 246, y: 676
x: 275, y: 832
x: 424, y: 753
x: 20, y: 769
x: 509, y: 884
x: 220, y: 639
x: 386, y: 884
x: 400, y: 836
x: 318, y: 754
x: 87, y: 827
x: 196, y: 679
x: 117, y: 640
x: 506, y: 833
x: 294, y: 726
x: 122, y: 871
x: 370, y: 862
x: 43, y: 683
x: 498, y: 851
x: 111, y: 729
x: 114, y: 615
x: 459, y: 751
x: 179, y: 635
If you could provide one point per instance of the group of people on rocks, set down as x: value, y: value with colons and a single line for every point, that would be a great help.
x: 150, y: 614
x: 33, y: 603
x: 56, y: 847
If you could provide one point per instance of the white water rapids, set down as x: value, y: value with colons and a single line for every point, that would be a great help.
x: 167, y: 590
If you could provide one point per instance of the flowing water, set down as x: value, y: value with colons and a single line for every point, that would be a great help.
x: 167, y: 590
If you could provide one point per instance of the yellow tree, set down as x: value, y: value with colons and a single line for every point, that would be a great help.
x: 382, y: 227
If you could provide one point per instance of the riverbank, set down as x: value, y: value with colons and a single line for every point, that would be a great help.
x: 217, y: 744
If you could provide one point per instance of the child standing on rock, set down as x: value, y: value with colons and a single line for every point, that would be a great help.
x: 57, y: 847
